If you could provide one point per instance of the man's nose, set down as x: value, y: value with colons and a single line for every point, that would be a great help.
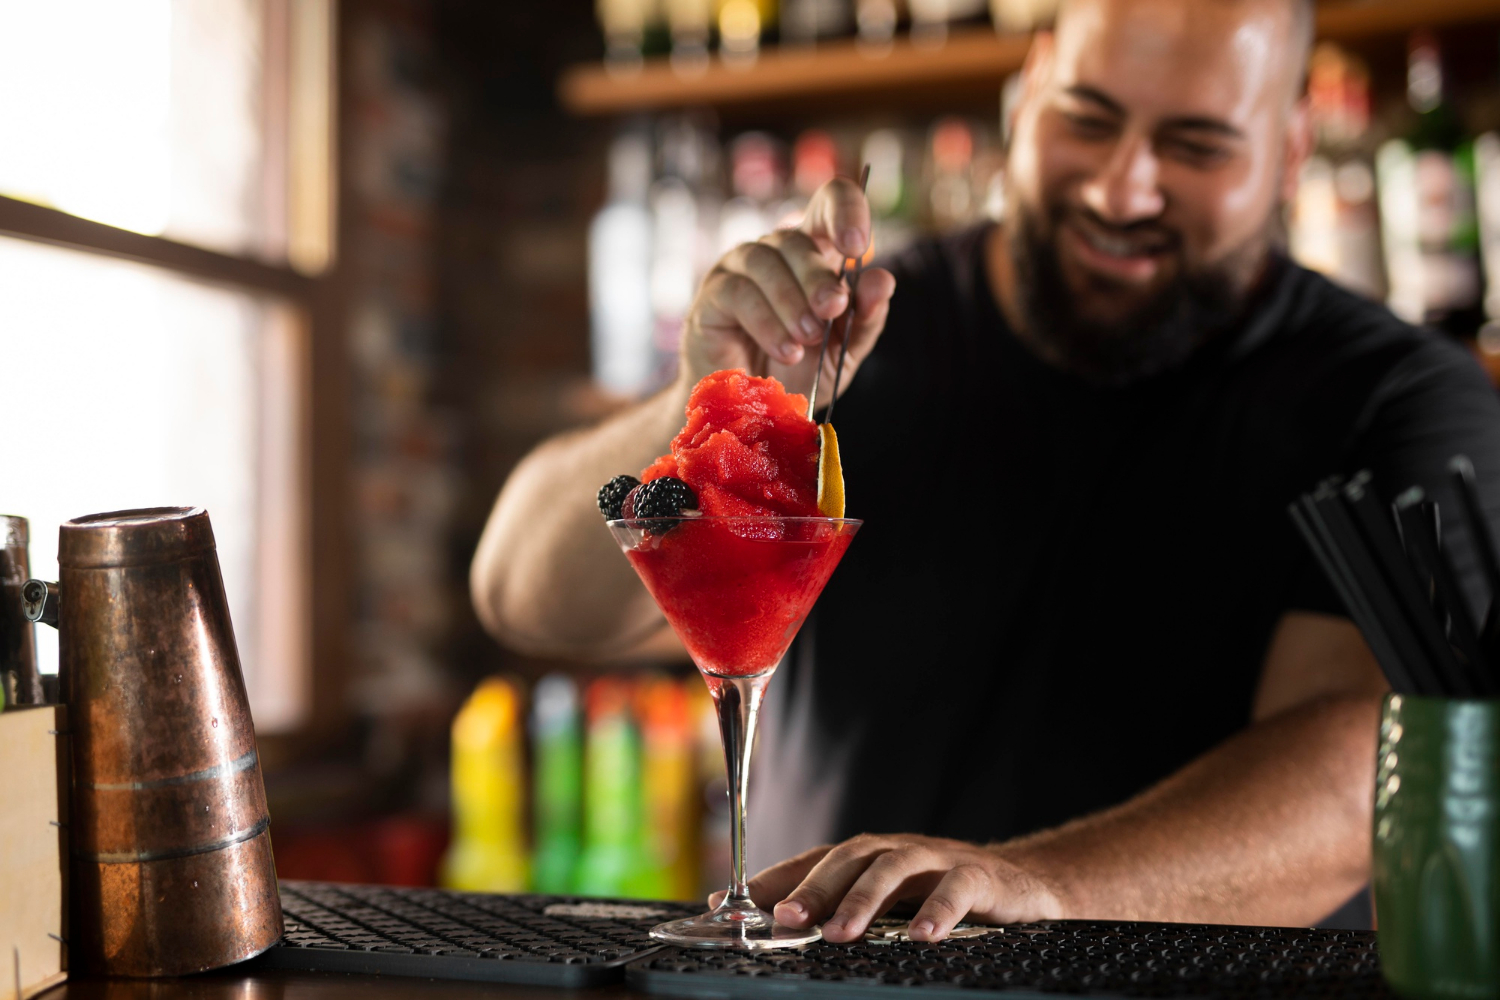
x: 1126, y: 188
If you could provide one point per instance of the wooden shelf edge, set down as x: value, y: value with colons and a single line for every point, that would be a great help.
x: 973, y: 57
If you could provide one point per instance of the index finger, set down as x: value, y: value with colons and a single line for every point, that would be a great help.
x: 773, y: 884
x: 839, y: 214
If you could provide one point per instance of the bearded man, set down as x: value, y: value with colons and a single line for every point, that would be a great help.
x: 1077, y: 663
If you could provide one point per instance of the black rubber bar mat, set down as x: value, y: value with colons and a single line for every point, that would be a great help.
x: 440, y: 934
x: 1091, y: 958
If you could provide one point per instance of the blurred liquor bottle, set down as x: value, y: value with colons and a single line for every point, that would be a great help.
x: 931, y: 19
x: 1486, y: 116
x: 1487, y: 203
x: 690, y: 23
x: 632, y: 29
x: 1334, y: 224
x: 815, y: 162
x: 892, y: 205
x: 620, y: 237
x: 684, y: 205
x: 668, y: 788
x: 950, y: 192
x: 557, y: 783
x: 1428, y: 222
x: 488, y: 852
x: 744, y: 27
x: 875, y: 24
x: 757, y: 176
x: 807, y: 22
x: 1022, y: 15
x: 611, y: 861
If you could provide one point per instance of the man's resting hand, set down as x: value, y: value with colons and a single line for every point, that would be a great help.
x: 848, y: 885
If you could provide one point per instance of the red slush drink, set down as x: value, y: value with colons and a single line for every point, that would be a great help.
x: 737, y: 590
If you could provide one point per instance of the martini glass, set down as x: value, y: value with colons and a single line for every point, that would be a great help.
x: 735, y: 590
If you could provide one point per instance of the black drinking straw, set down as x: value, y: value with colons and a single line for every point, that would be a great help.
x: 1474, y: 518
x: 812, y: 398
x: 1344, y: 538
x: 1308, y: 521
x: 1374, y: 524
x: 1365, y: 567
x: 1416, y: 515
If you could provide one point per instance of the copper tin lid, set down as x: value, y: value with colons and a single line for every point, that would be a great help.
x: 134, y: 537
x: 14, y: 532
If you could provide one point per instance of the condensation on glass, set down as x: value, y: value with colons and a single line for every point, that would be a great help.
x: 204, y: 121
x: 154, y: 390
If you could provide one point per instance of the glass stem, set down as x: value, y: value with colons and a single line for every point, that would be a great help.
x: 737, y: 700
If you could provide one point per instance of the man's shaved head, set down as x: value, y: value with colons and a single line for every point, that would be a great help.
x: 1301, y: 29
x: 1150, y: 159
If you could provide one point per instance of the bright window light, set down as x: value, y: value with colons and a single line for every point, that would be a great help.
x: 143, y: 114
x: 128, y: 386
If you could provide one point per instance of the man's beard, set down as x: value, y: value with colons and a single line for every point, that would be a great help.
x: 1155, y: 337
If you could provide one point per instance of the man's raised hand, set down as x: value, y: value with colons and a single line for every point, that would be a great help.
x: 764, y: 305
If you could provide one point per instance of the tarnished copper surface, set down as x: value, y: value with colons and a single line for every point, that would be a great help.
x: 172, y: 869
x: 17, y: 636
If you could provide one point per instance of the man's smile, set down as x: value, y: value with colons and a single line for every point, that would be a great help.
x: 1129, y: 258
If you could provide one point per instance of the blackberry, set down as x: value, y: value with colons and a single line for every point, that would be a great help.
x: 612, y: 496
x: 666, y: 497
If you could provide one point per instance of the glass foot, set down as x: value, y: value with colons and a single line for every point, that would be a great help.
x: 745, y: 926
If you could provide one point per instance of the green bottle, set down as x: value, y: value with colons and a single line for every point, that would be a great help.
x: 609, y: 864
x: 557, y: 754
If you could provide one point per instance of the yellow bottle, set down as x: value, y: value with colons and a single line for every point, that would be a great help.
x: 488, y: 852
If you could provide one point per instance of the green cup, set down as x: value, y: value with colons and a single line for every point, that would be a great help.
x: 1437, y: 846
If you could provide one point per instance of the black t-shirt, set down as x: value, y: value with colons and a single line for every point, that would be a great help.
x: 1062, y: 594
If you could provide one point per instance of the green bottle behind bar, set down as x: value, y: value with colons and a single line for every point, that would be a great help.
x: 1428, y: 224
x: 557, y: 787
x: 610, y: 861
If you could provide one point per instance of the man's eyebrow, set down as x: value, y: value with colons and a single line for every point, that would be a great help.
x: 1191, y: 123
x: 1084, y: 92
x: 1203, y: 123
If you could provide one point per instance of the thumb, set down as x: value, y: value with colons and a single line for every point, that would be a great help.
x: 838, y: 215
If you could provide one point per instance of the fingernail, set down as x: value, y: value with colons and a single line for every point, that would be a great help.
x: 811, y: 326
x: 827, y: 294
x: 853, y: 240
x: 793, y: 909
x: 923, y: 927
x: 791, y: 353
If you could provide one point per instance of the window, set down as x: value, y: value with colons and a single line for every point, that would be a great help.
x: 179, y: 377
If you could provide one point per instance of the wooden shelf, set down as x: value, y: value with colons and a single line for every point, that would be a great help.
x: 972, y: 58
x: 973, y: 61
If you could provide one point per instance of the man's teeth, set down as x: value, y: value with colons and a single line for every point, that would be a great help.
x: 1115, y: 246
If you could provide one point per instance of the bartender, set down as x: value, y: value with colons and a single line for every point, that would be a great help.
x: 1077, y: 664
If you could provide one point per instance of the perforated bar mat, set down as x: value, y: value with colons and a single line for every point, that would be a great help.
x: 435, y: 933
x: 1078, y: 957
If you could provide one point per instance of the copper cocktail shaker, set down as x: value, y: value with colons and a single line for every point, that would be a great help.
x: 18, y: 670
x: 171, y: 869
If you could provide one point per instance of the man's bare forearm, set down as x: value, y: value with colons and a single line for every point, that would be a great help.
x: 547, y: 578
x: 1271, y: 827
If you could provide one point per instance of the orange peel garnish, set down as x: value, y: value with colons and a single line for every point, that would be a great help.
x: 830, y: 474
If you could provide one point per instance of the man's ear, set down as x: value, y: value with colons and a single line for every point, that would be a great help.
x: 1299, y: 145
